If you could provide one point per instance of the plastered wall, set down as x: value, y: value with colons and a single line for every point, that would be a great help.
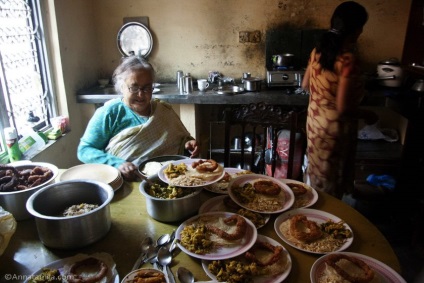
x: 198, y: 36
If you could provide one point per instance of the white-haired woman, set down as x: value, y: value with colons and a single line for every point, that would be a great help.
x: 126, y: 131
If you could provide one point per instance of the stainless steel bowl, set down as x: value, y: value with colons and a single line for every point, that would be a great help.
x: 170, y: 210
x: 15, y: 202
x: 57, y: 231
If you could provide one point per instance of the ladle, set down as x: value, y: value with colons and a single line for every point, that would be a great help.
x: 185, y: 276
x: 145, y: 246
x: 164, y: 258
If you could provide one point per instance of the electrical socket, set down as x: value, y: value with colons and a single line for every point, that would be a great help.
x: 255, y: 36
x: 244, y: 36
x: 250, y: 36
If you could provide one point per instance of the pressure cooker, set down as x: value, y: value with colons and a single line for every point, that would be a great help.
x: 390, y: 73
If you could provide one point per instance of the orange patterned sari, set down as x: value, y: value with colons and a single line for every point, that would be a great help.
x: 331, y: 140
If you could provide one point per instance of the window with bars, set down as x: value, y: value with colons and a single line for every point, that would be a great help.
x: 26, y: 99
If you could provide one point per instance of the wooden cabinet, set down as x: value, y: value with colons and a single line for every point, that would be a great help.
x: 413, y: 49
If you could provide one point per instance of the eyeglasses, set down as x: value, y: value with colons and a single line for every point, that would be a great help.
x: 136, y: 89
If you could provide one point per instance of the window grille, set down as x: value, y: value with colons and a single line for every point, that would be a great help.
x: 25, y: 90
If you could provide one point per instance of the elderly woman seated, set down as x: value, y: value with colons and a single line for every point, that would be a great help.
x: 128, y: 130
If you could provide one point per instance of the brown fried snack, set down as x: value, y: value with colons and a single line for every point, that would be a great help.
x: 267, y: 187
x: 74, y: 277
x: 241, y: 227
x: 332, y: 260
x: 148, y: 276
x: 203, y: 166
x: 276, y: 250
x: 297, y: 225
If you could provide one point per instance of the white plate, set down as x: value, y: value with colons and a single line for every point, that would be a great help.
x: 98, y: 172
x: 117, y: 184
x: 188, y: 163
x: 286, y: 195
x: 311, y: 195
x: 225, y: 252
x: 221, y: 186
x: 112, y: 274
x: 217, y: 204
x: 314, y: 215
x: 261, y: 279
x: 384, y: 272
x: 130, y: 276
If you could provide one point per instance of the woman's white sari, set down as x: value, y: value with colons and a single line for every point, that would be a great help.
x: 162, y: 134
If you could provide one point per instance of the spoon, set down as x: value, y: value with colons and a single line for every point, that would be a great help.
x: 152, y: 249
x: 145, y: 246
x: 163, y: 240
x: 185, y: 276
x: 164, y: 258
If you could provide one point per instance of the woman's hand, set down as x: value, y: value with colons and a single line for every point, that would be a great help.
x: 129, y: 171
x: 192, y: 147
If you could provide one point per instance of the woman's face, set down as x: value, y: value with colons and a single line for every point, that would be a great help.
x: 142, y: 82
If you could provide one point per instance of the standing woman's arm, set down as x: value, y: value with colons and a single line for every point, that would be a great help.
x: 346, y: 99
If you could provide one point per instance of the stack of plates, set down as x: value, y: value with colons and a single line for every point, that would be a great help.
x: 98, y: 172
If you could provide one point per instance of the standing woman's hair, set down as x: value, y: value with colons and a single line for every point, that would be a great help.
x: 127, y: 66
x: 347, y: 19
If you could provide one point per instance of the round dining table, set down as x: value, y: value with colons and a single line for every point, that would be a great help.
x: 131, y: 223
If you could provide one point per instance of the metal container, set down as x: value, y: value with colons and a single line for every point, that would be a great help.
x: 15, y: 202
x: 188, y: 84
x: 56, y: 231
x: 179, y: 75
x: 252, y: 84
x: 170, y: 210
x: 390, y: 73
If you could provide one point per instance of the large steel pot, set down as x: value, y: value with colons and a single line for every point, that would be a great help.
x: 56, y: 231
x: 170, y: 210
x: 390, y: 73
x: 283, y: 60
x: 252, y: 84
x: 15, y: 202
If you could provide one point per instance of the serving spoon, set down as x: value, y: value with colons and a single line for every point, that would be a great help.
x: 145, y: 246
x: 185, y: 276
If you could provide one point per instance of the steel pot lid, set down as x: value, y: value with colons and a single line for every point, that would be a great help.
x: 135, y: 38
x: 390, y: 61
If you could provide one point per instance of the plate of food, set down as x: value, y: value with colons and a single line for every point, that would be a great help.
x: 341, y: 266
x: 216, y: 235
x: 304, y: 195
x: 221, y: 187
x: 273, y: 264
x: 225, y: 203
x: 261, y: 193
x: 152, y: 166
x: 98, y: 267
x: 191, y: 172
x: 313, y: 231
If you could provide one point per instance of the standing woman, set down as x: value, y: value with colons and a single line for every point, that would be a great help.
x: 333, y: 80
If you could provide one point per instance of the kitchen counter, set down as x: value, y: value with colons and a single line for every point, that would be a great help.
x: 170, y: 93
